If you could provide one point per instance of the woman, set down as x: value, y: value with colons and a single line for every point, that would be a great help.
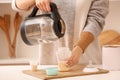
x: 85, y: 19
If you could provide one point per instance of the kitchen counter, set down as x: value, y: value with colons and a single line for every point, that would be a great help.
x: 14, y: 72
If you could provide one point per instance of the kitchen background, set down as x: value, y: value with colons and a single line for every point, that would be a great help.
x: 24, y: 51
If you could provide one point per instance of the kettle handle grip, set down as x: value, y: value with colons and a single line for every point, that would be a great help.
x: 33, y: 12
x: 53, y: 9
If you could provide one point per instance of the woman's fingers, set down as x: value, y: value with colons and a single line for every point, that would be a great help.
x: 48, y: 6
x: 70, y: 62
x: 39, y: 6
x: 75, y: 56
x: 43, y: 5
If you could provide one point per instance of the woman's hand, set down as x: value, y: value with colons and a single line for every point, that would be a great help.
x: 75, y: 56
x: 43, y: 5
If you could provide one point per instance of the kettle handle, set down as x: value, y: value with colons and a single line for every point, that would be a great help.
x: 33, y: 12
x: 53, y: 9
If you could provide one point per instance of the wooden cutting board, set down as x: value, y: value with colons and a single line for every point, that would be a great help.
x: 77, y: 71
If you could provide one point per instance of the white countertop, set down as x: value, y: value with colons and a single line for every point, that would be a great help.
x: 14, y: 72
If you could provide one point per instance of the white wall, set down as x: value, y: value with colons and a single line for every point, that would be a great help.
x: 3, y: 43
x: 22, y: 49
x: 113, y: 19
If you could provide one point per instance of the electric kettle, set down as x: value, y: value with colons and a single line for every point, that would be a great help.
x: 43, y: 28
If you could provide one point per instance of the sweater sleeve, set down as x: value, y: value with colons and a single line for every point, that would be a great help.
x: 94, y: 24
x: 27, y: 5
x: 14, y: 6
x: 96, y: 16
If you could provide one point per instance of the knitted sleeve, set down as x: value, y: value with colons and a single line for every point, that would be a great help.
x: 94, y: 24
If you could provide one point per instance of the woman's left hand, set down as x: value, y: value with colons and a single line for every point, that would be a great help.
x: 75, y: 56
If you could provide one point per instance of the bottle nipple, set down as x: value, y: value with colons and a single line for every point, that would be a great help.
x: 90, y: 64
x: 90, y: 67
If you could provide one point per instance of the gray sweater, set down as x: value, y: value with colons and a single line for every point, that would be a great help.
x: 96, y: 16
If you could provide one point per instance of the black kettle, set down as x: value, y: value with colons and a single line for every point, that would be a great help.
x: 43, y: 28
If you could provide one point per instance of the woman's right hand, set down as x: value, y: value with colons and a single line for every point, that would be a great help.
x: 75, y: 56
x: 43, y: 5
